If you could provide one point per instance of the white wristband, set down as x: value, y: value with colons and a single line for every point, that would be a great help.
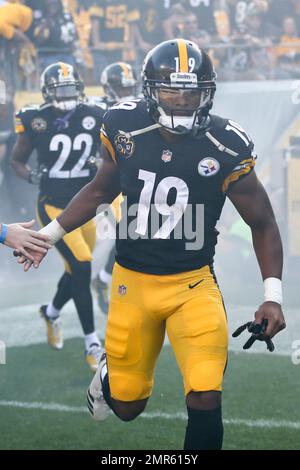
x: 54, y: 231
x: 273, y: 290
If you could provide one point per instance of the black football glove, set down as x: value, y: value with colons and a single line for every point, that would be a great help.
x: 93, y: 164
x: 257, y: 330
x: 37, y: 175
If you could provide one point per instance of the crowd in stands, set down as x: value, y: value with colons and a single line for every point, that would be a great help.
x: 248, y: 39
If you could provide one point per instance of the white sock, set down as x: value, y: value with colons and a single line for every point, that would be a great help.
x: 105, y: 277
x: 51, y: 311
x: 90, y: 339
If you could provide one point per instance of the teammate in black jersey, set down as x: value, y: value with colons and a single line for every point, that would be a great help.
x: 119, y: 82
x: 65, y: 133
x: 174, y: 163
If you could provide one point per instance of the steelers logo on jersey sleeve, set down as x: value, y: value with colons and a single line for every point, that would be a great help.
x: 125, y: 145
x: 208, y: 167
x: 39, y: 125
x: 88, y: 123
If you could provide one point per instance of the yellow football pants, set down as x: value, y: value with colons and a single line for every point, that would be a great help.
x: 76, y: 246
x: 143, y: 307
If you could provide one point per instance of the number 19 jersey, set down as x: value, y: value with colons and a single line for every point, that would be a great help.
x: 173, y: 192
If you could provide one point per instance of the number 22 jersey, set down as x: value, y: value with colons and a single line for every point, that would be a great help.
x: 65, y: 143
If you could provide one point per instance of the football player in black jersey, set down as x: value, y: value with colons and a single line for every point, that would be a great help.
x: 119, y: 83
x: 175, y: 163
x: 65, y: 133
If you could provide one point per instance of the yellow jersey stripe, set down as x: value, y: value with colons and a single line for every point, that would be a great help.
x: 236, y: 176
x: 183, y: 56
x: 107, y: 144
x: 248, y: 160
x: 19, y: 129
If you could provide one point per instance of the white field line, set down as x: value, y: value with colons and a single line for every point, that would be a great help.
x: 260, y: 423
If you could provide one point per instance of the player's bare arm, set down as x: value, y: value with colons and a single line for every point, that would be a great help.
x: 103, y: 189
x: 251, y: 201
x: 20, y: 155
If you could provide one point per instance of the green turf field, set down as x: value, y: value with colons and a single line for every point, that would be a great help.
x: 42, y: 404
x: 42, y: 392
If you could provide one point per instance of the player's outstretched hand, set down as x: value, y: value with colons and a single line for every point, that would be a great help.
x: 22, y: 239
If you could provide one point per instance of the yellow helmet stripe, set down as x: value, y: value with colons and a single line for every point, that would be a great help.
x: 65, y: 69
x: 183, y: 56
x: 125, y: 69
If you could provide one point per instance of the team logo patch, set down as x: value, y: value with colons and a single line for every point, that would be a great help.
x: 66, y: 72
x: 208, y: 167
x: 122, y: 289
x: 39, y: 125
x: 167, y: 156
x: 89, y: 123
x: 125, y: 145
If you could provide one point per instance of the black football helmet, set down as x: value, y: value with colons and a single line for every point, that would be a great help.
x: 179, y: 83
x: 62, y: 86
x: 119, y: 82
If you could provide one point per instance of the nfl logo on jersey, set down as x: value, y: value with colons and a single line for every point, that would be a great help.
x: 122, y: 289
x: 166, y: 156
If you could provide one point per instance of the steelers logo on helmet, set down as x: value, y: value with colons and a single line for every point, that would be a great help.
x: 125, y: 145
x: 66, y: 72
x: 89, y: 123
x: 208, y: 167
x: 39, y: 125
x: 179, y: 85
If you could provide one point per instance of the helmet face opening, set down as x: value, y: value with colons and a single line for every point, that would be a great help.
x: 62, y: 92
x: 179, y: 85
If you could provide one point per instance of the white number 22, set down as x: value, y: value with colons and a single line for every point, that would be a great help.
x: 63, y: 140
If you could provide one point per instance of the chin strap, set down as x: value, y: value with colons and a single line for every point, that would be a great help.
x: 220, y: 146
x: 197, y: 132
x: 140, y: 131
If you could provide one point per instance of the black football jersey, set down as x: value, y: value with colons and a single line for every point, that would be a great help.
x: 173, y: 192
x: 64, y: 143
x: 113, y: 17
